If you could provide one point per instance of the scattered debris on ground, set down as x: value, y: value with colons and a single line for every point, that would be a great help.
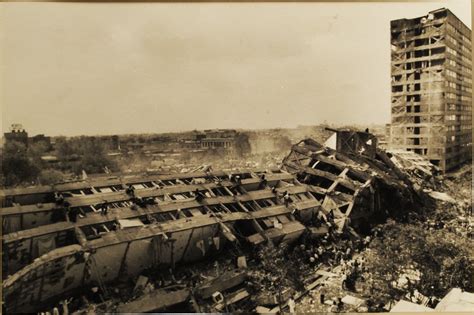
x: 305, y: 238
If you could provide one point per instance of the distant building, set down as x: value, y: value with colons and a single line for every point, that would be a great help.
x: 17, y: 134
x: 432, y: 88
x: 190, y: 144
x: 218, y: 139
x: 215, y: 143
x: 41, y: 139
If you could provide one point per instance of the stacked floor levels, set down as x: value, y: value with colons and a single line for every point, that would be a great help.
x: 101, y: 232
x: 431, y: 88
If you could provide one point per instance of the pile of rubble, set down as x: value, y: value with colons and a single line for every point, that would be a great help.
x: 204, y: 240
x: 354, y: 180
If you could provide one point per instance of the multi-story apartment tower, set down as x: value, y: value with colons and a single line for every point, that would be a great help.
x: 432, y: 88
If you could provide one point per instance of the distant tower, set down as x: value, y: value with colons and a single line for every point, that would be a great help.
x: 432, y: 88
x: 17, y: 133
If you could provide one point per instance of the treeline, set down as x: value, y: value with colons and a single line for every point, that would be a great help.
x: 23, y: 165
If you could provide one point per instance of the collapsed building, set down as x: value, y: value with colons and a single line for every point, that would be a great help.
x: 179, y: 219
x: 58, y: 239
x: 353, y: 179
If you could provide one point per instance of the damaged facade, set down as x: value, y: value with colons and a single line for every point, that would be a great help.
x: 168, y: 224
x: 107, y: 230
x: 354, y: 179
x: 432, y: 88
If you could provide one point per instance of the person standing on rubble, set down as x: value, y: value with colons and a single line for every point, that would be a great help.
x: 58, y: 198
x: 331, y: 216
x: 66, y: 208
x: 322, y: 294
x: 344, y: 281
x: 198, y: 195
x: 334, y: 308
x: 340, y: 305
x: 237, y: 179
x: 320, y: 251
x: 130, y: 191
x: 366, y: 241
x: 338, y: 256
x: 104, y: 209
x: 286, y: 198
x: 356, y: 265
x: 73, y: 214
x: 263, y: 182
x: 409, y: 286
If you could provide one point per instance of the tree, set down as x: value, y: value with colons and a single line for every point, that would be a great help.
x: 84, y: 153
x: 50, y: 176
x: 36, y: 150
x: 444, y: 259
x: 17, y: 167
x: 64, y: 148
x: 94, y: 158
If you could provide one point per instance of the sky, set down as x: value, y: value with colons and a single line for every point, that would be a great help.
x: 102, y: 68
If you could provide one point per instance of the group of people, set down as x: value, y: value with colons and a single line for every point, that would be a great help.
x: 61, y: 309
x: 63, y: 209
x: 332, y: 249
x: 319, y: 218
x: 352, y: 270
x: 336, y: 304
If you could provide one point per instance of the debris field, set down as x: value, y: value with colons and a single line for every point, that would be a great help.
x: 248, y: 240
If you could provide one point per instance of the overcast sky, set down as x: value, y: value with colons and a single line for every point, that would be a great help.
x: 84, y: 68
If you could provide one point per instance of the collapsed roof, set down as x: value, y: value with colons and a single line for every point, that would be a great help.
x: 354, y: 180
x: 172, y: 219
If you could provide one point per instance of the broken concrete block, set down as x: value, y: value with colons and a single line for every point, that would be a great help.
x: 266, y: 298
x: 325, y: 273
x: 256, y: 239
x: 154, y: 301
x: 441, y: 196
x: 226, y: 281
x: 233, y: 298
x: 217, y: 297
x: 262, y: 310
x: 276, y: 224
x: 148, y: 288
x: 141, y: 283
x: 227, y: 233
x: 126, y: 223
x: 352, y: 300
x: 241, y: 262
x: 318, y: 231
x: 291, y: 305
x: 271, y: 299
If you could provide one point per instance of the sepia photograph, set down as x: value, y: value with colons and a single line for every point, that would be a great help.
x: 236, y: 157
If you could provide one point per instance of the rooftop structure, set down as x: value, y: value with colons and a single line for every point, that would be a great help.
x: 17, y: 134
